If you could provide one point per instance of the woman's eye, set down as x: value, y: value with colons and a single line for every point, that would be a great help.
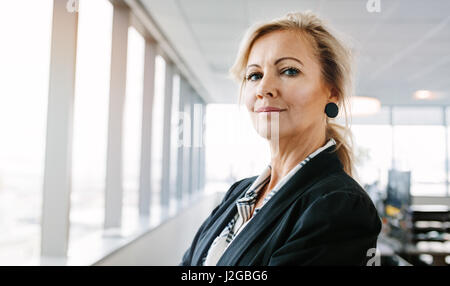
x: 291, y: 71
x: 253, y: 76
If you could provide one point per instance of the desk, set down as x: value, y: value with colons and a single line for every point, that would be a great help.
x: 439, y: 250
x: 430, y: 213
x: 430, y: 223
x: 428, y: 233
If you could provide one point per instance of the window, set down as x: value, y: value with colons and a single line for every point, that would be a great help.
x: 197, y: 135
x: 24, y: 76
x: 417, y: 115
x: 187, y: 139
x: 132, y: 127
x: 447, y: 138
x: 418, y: 144
x: 175, y: 142
x: 421, y: 149
x: 373, y: 153
x: 91, y: 117
x: 157, y: 137
x: 230, y: 137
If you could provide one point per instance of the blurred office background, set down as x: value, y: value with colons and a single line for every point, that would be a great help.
x: 120, y: 130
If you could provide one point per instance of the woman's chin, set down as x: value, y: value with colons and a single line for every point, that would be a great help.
x: 271, y: 135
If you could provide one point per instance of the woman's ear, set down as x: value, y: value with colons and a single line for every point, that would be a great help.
x: 333, y: 95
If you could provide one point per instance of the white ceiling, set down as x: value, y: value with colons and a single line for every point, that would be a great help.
x: 403, y: 48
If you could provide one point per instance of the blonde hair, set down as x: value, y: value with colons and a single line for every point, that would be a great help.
x: 334, y: 58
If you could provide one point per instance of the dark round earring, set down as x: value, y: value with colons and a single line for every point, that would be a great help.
x: 331, y: 109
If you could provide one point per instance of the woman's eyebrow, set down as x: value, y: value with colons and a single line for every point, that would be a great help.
x: 288, y: 58
x: 279, y: 60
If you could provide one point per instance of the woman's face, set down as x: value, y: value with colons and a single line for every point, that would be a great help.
x: 282, y: 72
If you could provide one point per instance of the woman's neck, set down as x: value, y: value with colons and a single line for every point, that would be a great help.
x: 290, y: 151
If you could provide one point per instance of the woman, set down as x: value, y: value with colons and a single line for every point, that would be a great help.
x: 305, y: 208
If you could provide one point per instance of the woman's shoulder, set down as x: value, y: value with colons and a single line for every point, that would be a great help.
x: 338, y: 184
x: 339, y: 198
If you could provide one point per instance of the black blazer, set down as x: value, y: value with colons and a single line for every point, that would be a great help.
x: 321, y: 216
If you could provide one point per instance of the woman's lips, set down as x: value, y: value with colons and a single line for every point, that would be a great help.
x: 269, y: 109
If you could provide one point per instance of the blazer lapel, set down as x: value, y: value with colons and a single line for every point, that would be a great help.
x: 324, y: 163
x: 219, y: 221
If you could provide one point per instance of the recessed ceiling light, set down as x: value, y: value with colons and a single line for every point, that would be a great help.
x: 424, y: 95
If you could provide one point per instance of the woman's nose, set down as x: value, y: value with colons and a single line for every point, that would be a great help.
x: 264, y: 93
x: 266, y: 87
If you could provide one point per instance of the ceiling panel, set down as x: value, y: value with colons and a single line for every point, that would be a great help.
x: 212, y: 31
x: 229, y: 11
x: 399, y: 50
